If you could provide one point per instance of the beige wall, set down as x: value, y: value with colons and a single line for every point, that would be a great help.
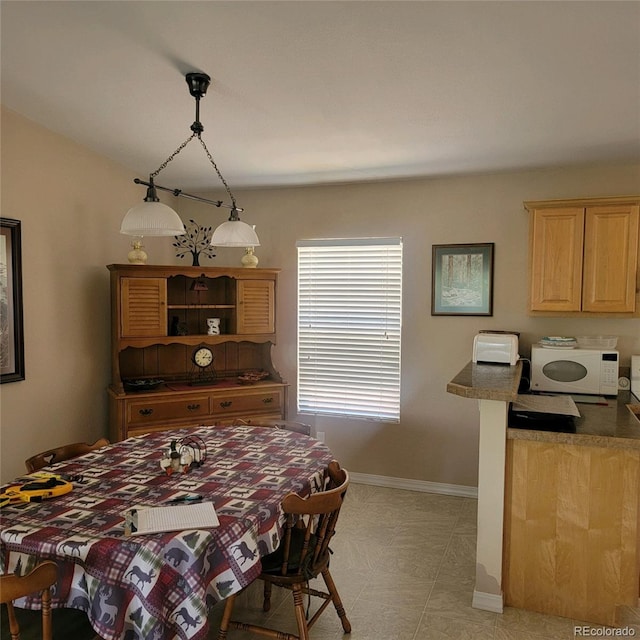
x: 437, y: 438
x: 71, y: 203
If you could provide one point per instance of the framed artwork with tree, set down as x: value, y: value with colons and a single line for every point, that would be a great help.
x: 462, y: 280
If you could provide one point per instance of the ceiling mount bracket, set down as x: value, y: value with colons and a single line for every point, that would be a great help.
x: 198, y: 84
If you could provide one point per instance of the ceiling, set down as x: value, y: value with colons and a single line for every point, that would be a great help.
x: 310, y: 92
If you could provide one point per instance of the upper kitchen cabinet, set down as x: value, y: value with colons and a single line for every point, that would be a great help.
x: 584, y: 256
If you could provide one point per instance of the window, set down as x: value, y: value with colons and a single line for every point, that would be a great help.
x: 349, y: 326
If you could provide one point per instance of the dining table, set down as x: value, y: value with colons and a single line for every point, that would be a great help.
x: 161, y: 586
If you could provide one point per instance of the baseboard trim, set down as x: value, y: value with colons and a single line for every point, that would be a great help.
x: 415, y: 485
x: 487, y: 601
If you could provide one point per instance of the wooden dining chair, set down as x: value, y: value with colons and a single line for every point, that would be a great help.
x: 66, y: 452
x: 303, y: 554
x: 287, y: 425
x: 39, y: 580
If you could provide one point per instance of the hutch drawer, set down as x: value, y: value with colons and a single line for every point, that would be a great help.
x: 268, y: 401
x: 150, y: 410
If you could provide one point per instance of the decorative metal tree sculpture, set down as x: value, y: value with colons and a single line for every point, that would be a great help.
x: 195, y: 241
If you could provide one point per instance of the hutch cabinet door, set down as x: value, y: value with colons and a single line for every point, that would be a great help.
x: 556, y: 259
x: 256, y: 306
x: 610, y: 258
x: 144, y: 307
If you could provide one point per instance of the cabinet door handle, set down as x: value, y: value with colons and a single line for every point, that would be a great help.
x: 193, y: 407
x: 226, y: 404
x: 145, y: 412
x: 267, y: 400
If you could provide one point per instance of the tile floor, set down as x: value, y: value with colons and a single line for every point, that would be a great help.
x: 404, y: 565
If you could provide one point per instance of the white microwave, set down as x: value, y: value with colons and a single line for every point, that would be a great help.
x: 580, y: 371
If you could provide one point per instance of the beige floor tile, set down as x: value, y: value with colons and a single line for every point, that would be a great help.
x: 469, y: 508
x: 355, y: 555
x: 435, y: 527
x: 519, y: 634
x: 465, y: 528
x: 463, y: 576
x: 454, y: 601
x: 404, y: 591
x: 372, y: 620
x: 467, y: 522
x: 422, y: 541
x: 435, y: 627
x: 461, y: 550
x: 398, y: 562
x: 459, y: 558
x: 520, y: 620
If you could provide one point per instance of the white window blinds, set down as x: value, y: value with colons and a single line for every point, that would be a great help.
x: 349, y: 327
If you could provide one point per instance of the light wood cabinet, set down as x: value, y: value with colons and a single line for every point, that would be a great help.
x: 572, y: 526
x: 584, y: 256
x: 159, y: 318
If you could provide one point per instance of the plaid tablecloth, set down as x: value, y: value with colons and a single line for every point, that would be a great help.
x: 161, y: 586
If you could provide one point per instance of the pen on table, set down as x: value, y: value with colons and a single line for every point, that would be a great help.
x: 193, y: 498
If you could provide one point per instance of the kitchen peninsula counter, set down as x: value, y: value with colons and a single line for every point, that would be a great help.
x: 562, y: 510
x: 613, y: 425
x: 487, y: 381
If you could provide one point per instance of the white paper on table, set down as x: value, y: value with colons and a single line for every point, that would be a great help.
x: 563, y: 405
x: 201, y: 515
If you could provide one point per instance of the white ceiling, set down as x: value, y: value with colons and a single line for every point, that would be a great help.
x: 308, y: 92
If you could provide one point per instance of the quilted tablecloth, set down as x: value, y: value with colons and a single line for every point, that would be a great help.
x: 162, y: 586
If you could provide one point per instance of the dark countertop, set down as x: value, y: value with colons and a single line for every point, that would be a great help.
x: 614, y: 425
x: 487, y: 381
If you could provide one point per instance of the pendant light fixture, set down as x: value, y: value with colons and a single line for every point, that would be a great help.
x: 152, y: 218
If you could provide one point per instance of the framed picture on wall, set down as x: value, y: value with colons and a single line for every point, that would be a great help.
x: 462, y: 280
x: 11, y: 327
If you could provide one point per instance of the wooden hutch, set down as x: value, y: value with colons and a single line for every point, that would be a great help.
x: 158, y: 324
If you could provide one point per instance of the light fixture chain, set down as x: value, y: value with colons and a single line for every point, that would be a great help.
x: 174, y: 154
x: 215, y: 166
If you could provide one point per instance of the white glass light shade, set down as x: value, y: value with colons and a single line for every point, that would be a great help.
x: 235, y: 233
x: 152, y: 219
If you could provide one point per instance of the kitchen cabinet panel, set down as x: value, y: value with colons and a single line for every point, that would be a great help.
x: 572, y: 517
x: 610, y: 258
x: 557, y: 238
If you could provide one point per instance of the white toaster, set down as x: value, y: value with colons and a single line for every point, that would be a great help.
x: 498, y: 348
